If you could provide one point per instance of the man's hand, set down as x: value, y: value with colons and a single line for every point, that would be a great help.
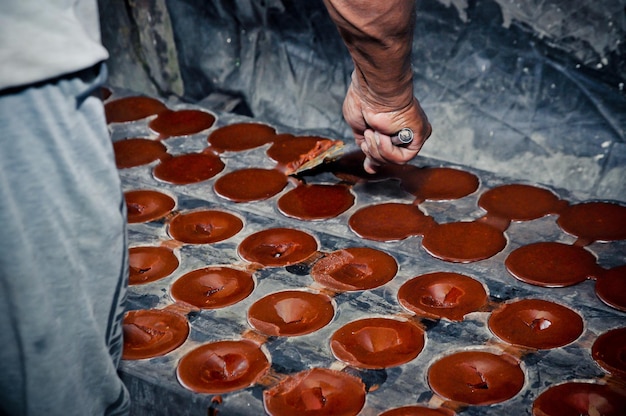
x: 373, y: 127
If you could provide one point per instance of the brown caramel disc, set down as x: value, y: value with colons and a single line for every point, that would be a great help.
x: 355, y: 268
x: 241, y: 136
x: 594, y: 221
x: 611, y: 288
x: 377, y: 343
x: 204, y: 227
x: 188, y: 168
x: 213, y: 287
x: 146, y: 205
x: 535, y: 323
x: 291, y: 313
x: 438, y: 183
x: 148, y: 264
x: 463, y: 242
x: 581, y: 398
x: 318, y: 391
x: 132, y: 108
x: 349, y: 168
x: 389, y: 221
x: 518, y: 202
x: 476, y: 377
x: 246, y: 185
x: 418, y: 411
x: 277, y: 247
x: 442, y: 295
x: 151, y: 333
x: 222, y: 367
x: 316, y: 202
x: 551, y: 264
x: 181, y: 123
x: 292, y: 152
x: 136, y: 152
x: 609, y: 351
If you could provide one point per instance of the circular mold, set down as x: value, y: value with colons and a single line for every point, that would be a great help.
x: 611, y: 288
x: 354, y: 268
x: 519, y: 202
x: 594, y: 221
x: 389, y: 221
x: 181, y: 123
x: 146, y: 205
x: 241, y: 136
x: 316, y: 391
x: 148, y: 264
x: 439, y: 183
x: 536, y: 323
x: 316, y: 202
x: 277, y: 247
x: 188, y: 168
x: 204, y: 227
x: 551, y: 264
x: 246, y: 185
x: 375, y: 343
x: 213, y: 287
x: 442, y: 295
x: 609, y: 351
x: 291, y: 313
x: 476, y: 377
x: 127, y: 109
x: 463, y: 242
x: 580, y: 398
x: 222, y: 367
x: 151, y: 333
x: 137, y: 151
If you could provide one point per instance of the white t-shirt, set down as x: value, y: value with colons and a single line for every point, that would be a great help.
x: 40, y: 40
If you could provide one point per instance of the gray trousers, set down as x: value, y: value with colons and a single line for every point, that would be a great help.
x: 63, y: 254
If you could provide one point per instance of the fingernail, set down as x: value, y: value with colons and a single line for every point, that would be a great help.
x: 377, y: 138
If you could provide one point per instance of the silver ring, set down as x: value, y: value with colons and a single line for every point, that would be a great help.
x: 403, y: 137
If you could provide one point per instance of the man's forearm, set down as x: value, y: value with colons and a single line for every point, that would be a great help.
x: 379, y: 36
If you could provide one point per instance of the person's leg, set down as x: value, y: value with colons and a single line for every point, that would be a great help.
x: 63, y: 254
